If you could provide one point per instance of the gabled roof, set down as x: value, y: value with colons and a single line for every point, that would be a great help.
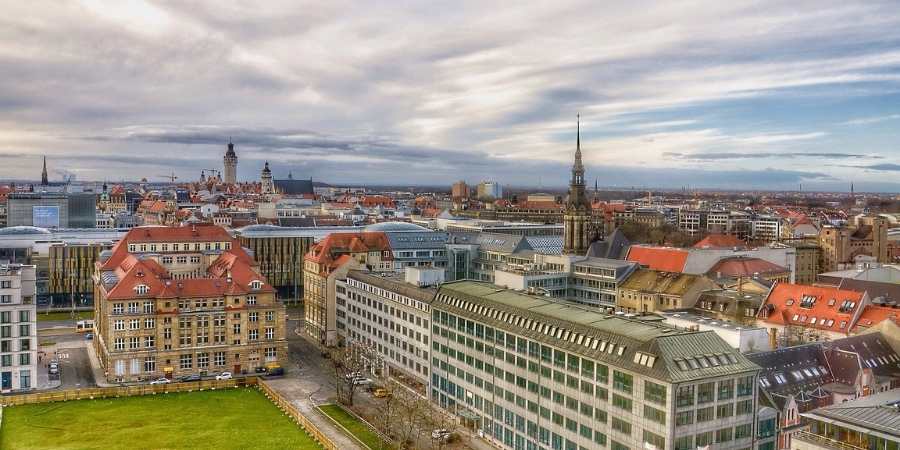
x: 336, y: 248
x: 872, y: 315
x: 659, y: 258
x: 614, y: 246
x: 816, y: 307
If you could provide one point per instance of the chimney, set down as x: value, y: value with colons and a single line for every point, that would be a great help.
x: 773, y: 338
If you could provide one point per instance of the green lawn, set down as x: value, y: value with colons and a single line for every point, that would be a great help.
x: 79, y: 315
x: 240, y: 418
x: 355, y: 427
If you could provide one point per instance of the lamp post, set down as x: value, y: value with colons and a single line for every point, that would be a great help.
x: 295, y: 282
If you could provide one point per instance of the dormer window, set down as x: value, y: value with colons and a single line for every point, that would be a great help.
x: 256, y: 285
x: 141, y: 289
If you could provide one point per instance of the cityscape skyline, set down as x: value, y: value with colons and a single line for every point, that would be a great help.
x: 765, y: 96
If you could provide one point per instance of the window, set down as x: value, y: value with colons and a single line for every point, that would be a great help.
x: 270, y: 316
x: 5, y: 284
x: 148, y: 307
x: 655, y: 392
x: 253, y: 317
x: 6, y: 317
x: 134, y: 324
x: 742, y: 431
x: 726, y: 410
x: 202, y: 360
x: 219, y: 358
x: 254, y: 335
x: 622, y: 381
x: 654, y: 414
x: 726, y: 389
x: 705, y: 392
x: 654, y: 439
x: 745, y: 386
x: 5, y: 298
x: 621, y: 425
x: 119, y: 344
x: 24, y: 316
x: 24, y: 345
x: 705, y: 414
x: 185, y: 362
x: 24, y: 359
x: 684, y: 396
x: 149, y: 323
x: 149, y: 341
x: 621, y: 402
x: 684, y: 418
x: 723, y: 435
x: 236, y: 329
x: 25, y: 379
x: 745, y: 407
x: 118, y: 308
x: 270, y: 333
x: 119, y: 325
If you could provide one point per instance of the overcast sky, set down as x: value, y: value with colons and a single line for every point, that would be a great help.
x: 683, y: 94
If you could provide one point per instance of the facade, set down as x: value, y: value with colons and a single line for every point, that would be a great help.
x: 391, y: 316
x: 230, y: 162
x: 532, y: 373
x: 803, y: 313
x: 489, y: 190
x: 18, y: 328
x: 325, y: 264
x: 648, y: 290
x: 185, y: 300
x: 279, y: 251
x: 577, y: 230
x: 841, y: 246
x: 51, y: 210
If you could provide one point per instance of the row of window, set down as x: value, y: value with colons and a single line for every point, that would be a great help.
x: 179, y: 247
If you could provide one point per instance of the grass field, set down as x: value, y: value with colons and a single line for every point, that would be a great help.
x: 355, y: 427
x: 223, y: 419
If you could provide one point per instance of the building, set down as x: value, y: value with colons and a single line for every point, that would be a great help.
x: 267, y: 184
x: 230, y: 162
x: 866, y: 423
x: 648, y: 290
x: 391, y: 314
x: 577, y: 230
x: 529, y: 372
x: 805, y: 314
x: 327, y: 262
x: 842, y: 246
x: 51, y: 210
x: 183, y: 300
x: 279, y: 251
x: 489, y: 190
x: 460, y: 190
x: 18, y: 328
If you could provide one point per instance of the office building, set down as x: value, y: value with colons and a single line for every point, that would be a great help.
x: 18, y: 328
x: 51, y: 210
x: 184, y: 300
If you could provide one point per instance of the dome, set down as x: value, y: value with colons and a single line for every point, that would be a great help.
x: 230, y: 151
x: 23, y: 229
x: 266, y: 170
x: 394, y: 226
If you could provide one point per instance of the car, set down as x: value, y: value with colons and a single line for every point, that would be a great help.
x: 440, y: 433
x: 53, y: 370
x: 54, y: 362
x: 89, y: 336
x: 381, y: 393
x: 260, y: 369
x: 353, y: 375
x: 276, y: 372
x: 190, y: 378
x: 161, y: 381
x: 224, y: 376
x: 362, y: 381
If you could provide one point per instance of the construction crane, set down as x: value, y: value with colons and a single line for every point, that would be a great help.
x: 212, y: 172
x: 171, y: 177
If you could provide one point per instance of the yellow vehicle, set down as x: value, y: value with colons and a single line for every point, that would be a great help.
x: 381, y: 393
x: 84, y: 326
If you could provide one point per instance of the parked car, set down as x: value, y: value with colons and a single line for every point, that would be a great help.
x: 161, y: 381
x: 89, y: 336
x: 190, y: 378
x: 381, y: 393
x: 53, y: 370
x: 260, y: 369
x: 224, y: 376
x: 276, y: 372
x: 353, y: 375
x: 440, y: 433
x: 362, y: 381
x: 54, y: 362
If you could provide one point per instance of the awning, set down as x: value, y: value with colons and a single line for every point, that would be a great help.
x: 467, y: 415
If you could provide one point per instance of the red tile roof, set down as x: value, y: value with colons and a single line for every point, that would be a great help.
x: 747, y: 267
x: 873, y: 315
x: 659, y: 258
x: 332, y: 251
x: 812, y: 306
x: 720, y: 240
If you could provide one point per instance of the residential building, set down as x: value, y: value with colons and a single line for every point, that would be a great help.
x: 842, y: 246
x: 183, y: 300
x: 489, y: 190
x: 651, y: 291
x: 811, y: 313
x: 18, y: 328
x: 460, y: 190
x: 530, y: 372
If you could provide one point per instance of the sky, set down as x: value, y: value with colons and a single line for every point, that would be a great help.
x: 765, y: 95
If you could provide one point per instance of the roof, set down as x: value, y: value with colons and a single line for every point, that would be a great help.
x: 720, y: 240
x: 614, y: 246
x: 877, y: 413
x: 816, y: 307
x: 673, y: 355
x: 659, y: 258
x: 747, y: 267
x: 666, y: 283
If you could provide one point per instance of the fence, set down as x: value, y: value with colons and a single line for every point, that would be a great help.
x: 291, y: 411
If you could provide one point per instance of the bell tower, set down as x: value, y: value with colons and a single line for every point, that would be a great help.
x: 231, y: 160
x: 577, y: 208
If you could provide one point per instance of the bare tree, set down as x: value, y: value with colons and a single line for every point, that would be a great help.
x: 402, y: 413
x: 439, y: 419
x: 348, y: 364
x: 797, y: 335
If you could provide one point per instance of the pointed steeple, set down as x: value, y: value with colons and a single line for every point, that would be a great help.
x: 44, y: 180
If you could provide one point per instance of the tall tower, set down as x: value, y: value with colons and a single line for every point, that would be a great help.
x: 266, y: 183
x: 577, y: 208
x: 230, y: 165
x: 44, y: 181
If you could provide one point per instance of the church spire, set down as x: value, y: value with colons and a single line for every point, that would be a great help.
x: 44, y: 180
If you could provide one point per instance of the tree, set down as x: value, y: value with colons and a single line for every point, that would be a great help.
x: 402, y: 413
x: 348, y: 364
x: 797, y: 335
